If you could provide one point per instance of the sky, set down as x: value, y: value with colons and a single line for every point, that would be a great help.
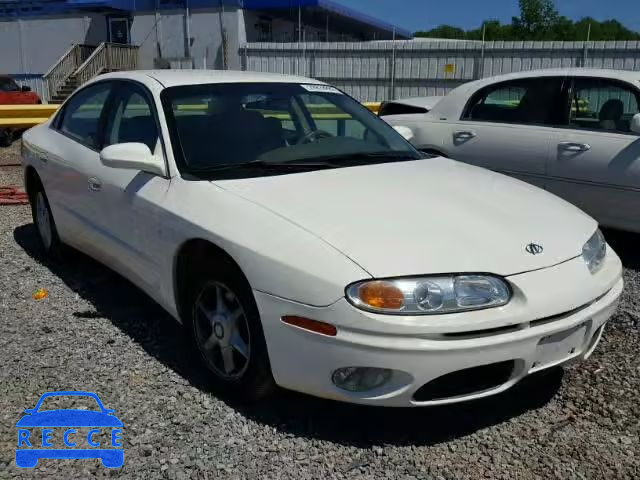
x: 416, y: 15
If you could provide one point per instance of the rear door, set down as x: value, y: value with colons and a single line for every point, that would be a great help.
x: 595, y: 158
x: 508, y: 127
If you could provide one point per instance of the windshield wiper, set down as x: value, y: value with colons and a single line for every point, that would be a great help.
x: 262, y: 165
x: 359, y: 157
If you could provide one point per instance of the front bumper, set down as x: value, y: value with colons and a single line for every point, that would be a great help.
x: 556, y: 315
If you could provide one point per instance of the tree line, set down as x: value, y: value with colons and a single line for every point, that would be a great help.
x: 538, y: 20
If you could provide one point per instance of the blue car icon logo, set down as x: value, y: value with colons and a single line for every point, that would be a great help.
x: 52, y: 433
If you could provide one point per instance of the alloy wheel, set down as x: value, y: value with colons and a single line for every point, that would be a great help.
x: 221, y: 331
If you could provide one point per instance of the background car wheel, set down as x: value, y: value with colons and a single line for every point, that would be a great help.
x: 224, y: 327
x: 43, y: 220
x: 5, y: 137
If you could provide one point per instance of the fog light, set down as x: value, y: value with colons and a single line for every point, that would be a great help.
x: 360, y: 379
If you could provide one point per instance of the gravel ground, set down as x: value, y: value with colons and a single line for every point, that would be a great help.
x: 97, y: 332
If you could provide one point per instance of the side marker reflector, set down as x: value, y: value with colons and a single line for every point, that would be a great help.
x: 311, y: 325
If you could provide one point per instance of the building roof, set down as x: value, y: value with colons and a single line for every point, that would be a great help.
x: 338, y: 12
x: 343, y: 13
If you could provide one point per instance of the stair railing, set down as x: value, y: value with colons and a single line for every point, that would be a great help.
x: 60, y: 71
x: 107, y: 57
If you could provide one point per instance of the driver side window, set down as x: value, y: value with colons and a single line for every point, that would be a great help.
x: 330, y: 118
x: 132, y: 119
x: 82, y: 114
x: 601, y: 104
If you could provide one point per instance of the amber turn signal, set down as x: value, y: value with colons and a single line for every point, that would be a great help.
x: 311, y: 325
x: 382, y: 295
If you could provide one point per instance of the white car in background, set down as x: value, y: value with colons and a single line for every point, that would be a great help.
x: 301, y: 241
x: 574, y: 132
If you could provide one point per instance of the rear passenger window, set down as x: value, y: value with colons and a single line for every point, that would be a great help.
x: 81, y: 116
x: 600, y: 104
x: 532, y: 101
x: 132, y: 119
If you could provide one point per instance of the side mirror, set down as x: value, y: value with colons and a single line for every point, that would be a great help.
x: 132, y: 156
x: 29, y: 410
x: 635, y: 123
x: 406, y: 132
x: 25, y: 88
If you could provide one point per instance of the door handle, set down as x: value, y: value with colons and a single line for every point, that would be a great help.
x: 464, y: 134
x: 574, y: 147
x: 95, y: 185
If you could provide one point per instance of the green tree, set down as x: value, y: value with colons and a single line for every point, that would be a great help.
x: 444, y: 31
x: 537, y: 19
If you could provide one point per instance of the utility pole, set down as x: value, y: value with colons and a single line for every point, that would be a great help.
x: 586, y: 47
x: 484, y: 34
x: 299, y: 21
x: 393, y: 64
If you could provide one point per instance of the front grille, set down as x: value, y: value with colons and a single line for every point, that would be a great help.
x: 466, y: 382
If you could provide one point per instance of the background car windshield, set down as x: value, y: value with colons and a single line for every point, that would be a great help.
x: 69, y: 402
x: 8, y: 85
x: 222, y: 124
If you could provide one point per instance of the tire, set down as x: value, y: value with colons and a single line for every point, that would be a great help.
x: 223, y: 327
x: 5, y: 137
x: 44, y: 222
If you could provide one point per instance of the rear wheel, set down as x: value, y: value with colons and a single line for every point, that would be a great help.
x: 43, y: 219
x: 224, y: 326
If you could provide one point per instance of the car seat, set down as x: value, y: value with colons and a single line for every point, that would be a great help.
x: 611, y: 114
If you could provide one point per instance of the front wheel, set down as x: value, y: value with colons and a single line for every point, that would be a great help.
x: 225, y: 327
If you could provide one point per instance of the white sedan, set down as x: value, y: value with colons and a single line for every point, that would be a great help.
x: 574, y: 132
x: 302, y: 242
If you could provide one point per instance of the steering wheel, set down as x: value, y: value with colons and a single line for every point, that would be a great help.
x: 314, y: 134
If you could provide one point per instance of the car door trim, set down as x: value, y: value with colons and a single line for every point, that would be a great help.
x: 571, y: 180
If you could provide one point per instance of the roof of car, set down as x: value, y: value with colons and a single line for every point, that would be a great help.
x: 453, y: 102
x: 626, y: 75
x: 172, y: 78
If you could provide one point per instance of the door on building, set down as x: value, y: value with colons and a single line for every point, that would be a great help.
x: 119, y: 30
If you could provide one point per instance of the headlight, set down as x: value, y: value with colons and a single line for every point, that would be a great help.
x: 429, y: 295
x: 594, y: 251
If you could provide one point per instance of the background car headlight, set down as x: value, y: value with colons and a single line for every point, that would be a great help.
x: 594, y: 251
x: 429, y: 295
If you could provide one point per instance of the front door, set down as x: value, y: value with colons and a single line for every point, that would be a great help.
x: 133, y: 219
x: 595, y: 160
x: 508, y: 127
x: 119, y: 30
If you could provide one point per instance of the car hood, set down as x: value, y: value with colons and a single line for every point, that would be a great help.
x: 427, y: 216
x: 69, y: 418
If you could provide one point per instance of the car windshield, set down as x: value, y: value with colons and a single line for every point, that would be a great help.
x: 8, y: 85
x: 267, y: 128
x: 69, y: 402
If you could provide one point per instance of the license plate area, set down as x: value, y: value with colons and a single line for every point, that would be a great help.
x: 559, y: 347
